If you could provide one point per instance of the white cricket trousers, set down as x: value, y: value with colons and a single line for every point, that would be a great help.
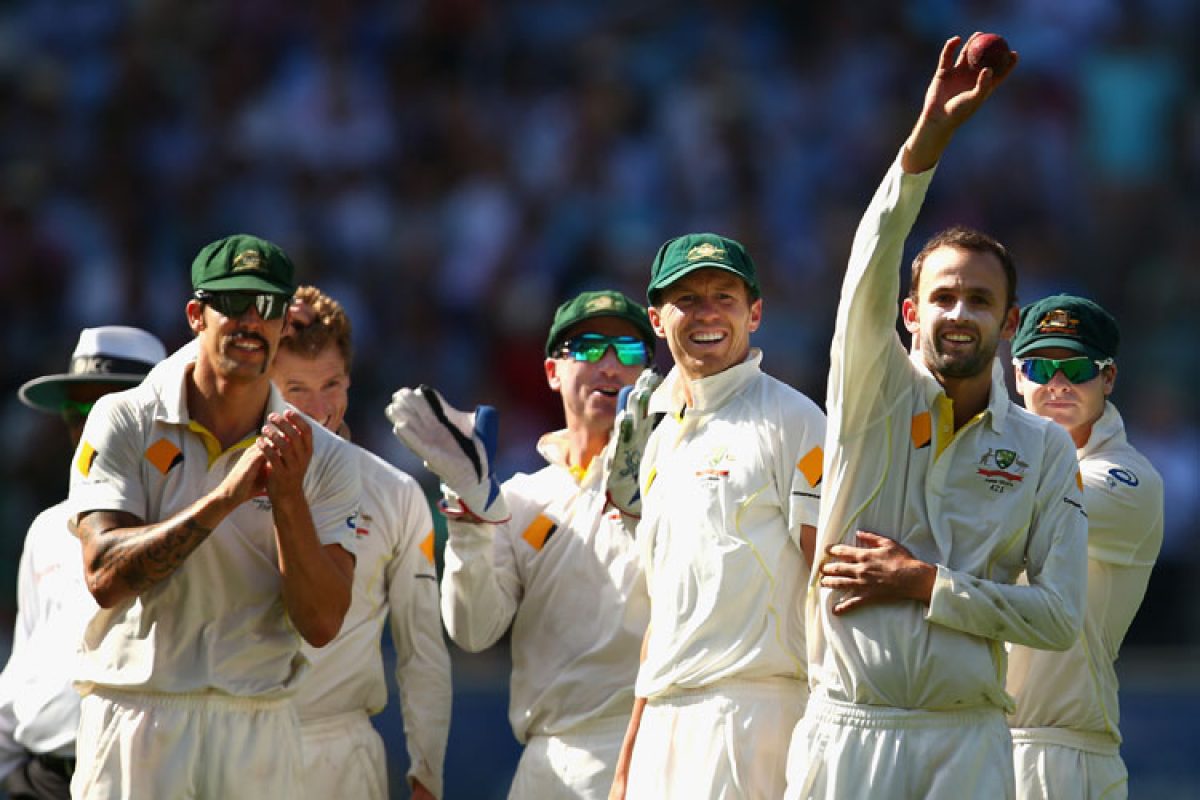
x: 843, y: 750
x: 727, y: 741
x: 135, y: 746
x: 344, y: 756
x: 576, y: 765
x: 1055, y: 764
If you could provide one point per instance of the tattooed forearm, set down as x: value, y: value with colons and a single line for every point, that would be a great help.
x: 124, y: 558
x: 144, y: 563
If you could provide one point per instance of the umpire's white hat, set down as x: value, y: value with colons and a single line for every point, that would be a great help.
x: 115, y: 355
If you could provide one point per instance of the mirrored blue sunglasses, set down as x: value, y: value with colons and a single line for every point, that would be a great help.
x: 1079, y: 369
x: 591, y: 347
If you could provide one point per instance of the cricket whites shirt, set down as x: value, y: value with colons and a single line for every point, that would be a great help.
x: 983, y: 503
x: 218, y: 623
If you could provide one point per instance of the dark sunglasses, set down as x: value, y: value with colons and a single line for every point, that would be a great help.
x: 234, y: 304
x: 1079, y: 369
x: 591, y: 347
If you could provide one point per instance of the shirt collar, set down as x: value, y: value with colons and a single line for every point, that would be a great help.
x: 708, y: 394
x: 999, y: 403
x: 168, y: 379
x: 555, y: 446
x: 1109, y: 428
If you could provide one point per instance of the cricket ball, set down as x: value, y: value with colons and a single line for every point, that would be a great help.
x: 989, y: 50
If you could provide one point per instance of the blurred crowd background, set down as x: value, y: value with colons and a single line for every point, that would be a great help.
x: 450, y: 170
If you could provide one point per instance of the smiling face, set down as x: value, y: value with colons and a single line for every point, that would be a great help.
x: 238, y: 348
x: 1074, y: 406
x: 318, y: 386
x: 589, y: 391
x: 959, y: 315
x: 706, y: 317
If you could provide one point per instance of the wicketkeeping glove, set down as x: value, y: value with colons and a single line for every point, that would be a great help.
x: 623, y: 455
x: 457, y: 446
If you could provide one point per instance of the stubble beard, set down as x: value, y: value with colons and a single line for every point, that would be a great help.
x: 967, y: 365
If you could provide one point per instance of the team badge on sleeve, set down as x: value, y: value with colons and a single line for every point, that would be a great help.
x: 812, y: 466
x: 164, y: 455
x: 427, y: 547
x: 922, y: 430
x: 539, y: 531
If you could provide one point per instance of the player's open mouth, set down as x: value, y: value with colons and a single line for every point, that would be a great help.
x: 607, y: 391
x: 249, y: 344
x: 958, y: 338
x: 707, y: 337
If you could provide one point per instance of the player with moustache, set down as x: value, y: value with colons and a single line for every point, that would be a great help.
x: 213, y: 522
x: 941, y: 493
x: 394, y: 580
x: 1065, y: 728
x: 731, y: 483
x: 552, y: 554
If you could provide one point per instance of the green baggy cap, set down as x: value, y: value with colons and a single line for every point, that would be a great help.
x: 686, y: 254
x: 603, y: 303
x: 1070, y: 322
x: 243, y: 263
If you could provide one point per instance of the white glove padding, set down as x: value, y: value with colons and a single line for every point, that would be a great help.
x: 623, y: 456
x: 457, y: 446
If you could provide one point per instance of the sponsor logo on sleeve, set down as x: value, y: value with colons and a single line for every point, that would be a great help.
x: 1120, y: 475
x: 360, y: 523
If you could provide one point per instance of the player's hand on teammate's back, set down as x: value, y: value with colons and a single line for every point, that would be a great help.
x: 457, y: 446
x: 877, y: 570
x: 623, y: 455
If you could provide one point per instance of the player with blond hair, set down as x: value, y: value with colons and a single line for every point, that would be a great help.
x: 394, y: 580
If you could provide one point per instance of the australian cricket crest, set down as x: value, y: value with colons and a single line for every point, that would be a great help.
x: 716, y: 464
x: 1001, y: 469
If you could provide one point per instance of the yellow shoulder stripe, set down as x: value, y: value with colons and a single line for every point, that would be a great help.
x: 87, y: 455
x: 650, y: 480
